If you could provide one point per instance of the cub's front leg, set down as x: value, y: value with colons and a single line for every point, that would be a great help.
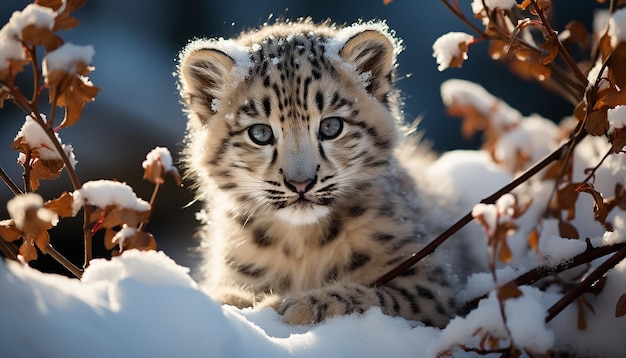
x: 421, y: 301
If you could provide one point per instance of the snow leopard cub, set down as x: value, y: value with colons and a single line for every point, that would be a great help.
x: 293, y: 140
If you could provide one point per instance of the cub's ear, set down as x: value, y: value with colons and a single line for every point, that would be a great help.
x: 373, y: 51
x: 204, y: 75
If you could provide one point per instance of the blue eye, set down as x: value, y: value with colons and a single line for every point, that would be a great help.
x: 261, y: 134
x: 331, y: 127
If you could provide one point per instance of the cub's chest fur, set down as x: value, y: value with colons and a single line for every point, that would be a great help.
x: 291, y: 140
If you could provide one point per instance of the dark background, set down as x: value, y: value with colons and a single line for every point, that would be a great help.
x: 137, y: 41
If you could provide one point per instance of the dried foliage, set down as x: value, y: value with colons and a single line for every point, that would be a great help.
x: 31, y: 39
x: 587, y: 69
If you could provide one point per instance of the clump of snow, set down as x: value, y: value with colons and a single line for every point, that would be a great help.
x: 450, y: 46
x: 617, y: 118
x: 162, y: 156
x: 37, y: 139
x: 479, y: 9
x: 556, y: 250
x: 103, y: 193
x: 125, y: 233
x: 66, y: 57
x: 11, y: 32
x: 464, y: 93
x: 533, y: 138
x: 69, y: 151
x: 617, y: 27
x: 526, y: 321
x: 492, y: 215
x: 19, y: 205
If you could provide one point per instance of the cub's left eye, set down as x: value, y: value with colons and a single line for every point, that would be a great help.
x: 261, y: 134
x: 331, y: 127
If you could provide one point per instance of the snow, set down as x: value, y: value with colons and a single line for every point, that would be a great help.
x: 162, y: 156
x: 66, y: 57
x: 103, y: 193
x: 37, y: 139
x: 11, y: 32
x: 464, y: 93
x: 617, y: 27
x: 616, y: 117
x: 145, y: 304
x: 450, y: 46
x: 19, y: 205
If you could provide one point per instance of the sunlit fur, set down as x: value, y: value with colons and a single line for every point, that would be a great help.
x: 310, y: 254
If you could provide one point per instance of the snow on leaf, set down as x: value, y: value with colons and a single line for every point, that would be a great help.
x: 9, y: 232
x: 158, y: 162
x: 129, y: 238
x: 105, y: 193
x: 34, y: 220
x: 45, y: 37
x: 12, y: 54
x: 63, y: 20
x: 450, y: 50
x: 65, y: 71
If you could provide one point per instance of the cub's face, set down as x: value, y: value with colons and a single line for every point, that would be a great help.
x: 292, y: 126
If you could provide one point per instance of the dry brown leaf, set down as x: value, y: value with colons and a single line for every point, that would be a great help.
x: 44, y: 170
x: 72, y: 91
x: 508, y: 291
x: 533, y: 239
x: 113, y: 216
x: 62, y: 205
x: 577, y: 32
x: 108, y: 239
x: 28, y: 251
x: 37, y: 36
x: 566, y: 199
x: 63, y: 20
x: 597, y: 123
x: 620, y: 307
x: 599, y: 209
x: 611, y: 100
x: 617, y: 65
x: 567, y: 230
x: 9, y: 232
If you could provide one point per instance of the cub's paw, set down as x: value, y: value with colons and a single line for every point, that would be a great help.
x: 234, y: 296
x: 309, y: 309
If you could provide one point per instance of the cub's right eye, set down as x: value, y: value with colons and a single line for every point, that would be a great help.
x: 261, y: 134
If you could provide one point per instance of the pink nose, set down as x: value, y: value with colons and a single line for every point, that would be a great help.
x: 300, y: 187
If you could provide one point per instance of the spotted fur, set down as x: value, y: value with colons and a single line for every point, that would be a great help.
x: 292, y: 139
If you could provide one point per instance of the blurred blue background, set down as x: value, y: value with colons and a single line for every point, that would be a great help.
x: 136, y: 44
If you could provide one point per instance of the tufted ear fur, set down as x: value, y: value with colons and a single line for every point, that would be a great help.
x: 204, y: 76
x: 374, y: 52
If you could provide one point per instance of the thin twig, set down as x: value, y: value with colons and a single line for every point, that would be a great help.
x: 432, y: 246
x: 87, y: 235
x: 581, y: 287
x: 544, y: 271
x: 9, y: 182
x: 562, y: 51
x: 155, y: 194
x: 8, y: 250
x: 63, y: 261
